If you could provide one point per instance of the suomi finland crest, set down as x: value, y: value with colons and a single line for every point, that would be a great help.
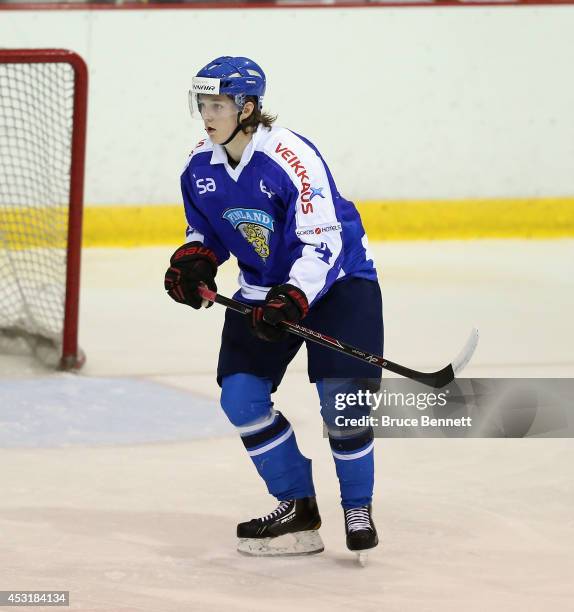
x: 255, y: 226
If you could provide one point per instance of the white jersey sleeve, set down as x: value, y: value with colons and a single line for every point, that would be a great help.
x: 312, y: 229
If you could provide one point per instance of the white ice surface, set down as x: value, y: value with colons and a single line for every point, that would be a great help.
x: 130, y: 526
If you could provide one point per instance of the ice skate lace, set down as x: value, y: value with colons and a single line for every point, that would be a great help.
x: 358, y: 518
x: 284, y: 505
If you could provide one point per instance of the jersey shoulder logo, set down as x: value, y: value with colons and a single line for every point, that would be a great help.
x: 254, y: 225
x: 325, y: 252
x: 205, y: 184
x: 264, y: 189
x: 316, y: 191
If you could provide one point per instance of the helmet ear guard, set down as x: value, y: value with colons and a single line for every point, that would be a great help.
x: 241, y: 99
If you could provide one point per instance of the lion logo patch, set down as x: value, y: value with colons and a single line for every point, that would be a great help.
x: 254, y: 225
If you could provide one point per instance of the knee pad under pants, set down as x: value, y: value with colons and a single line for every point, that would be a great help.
x: 245, y: 398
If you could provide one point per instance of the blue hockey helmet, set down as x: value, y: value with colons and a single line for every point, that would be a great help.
x: 237, y: 77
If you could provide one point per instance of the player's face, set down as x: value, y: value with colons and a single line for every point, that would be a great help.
x: 219, y: 114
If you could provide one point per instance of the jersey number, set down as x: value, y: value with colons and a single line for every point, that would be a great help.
x: 203, y: 185
x: 324, y: 251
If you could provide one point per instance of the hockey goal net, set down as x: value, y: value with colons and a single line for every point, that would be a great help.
x: 43, y: 98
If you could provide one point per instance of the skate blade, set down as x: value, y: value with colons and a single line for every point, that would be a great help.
x: 288, y: 545
x: 363, y: 558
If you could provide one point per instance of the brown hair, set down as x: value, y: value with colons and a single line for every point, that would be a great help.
x: 257, y: 117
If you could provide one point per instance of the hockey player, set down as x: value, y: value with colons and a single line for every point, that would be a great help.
x: 265, y: 194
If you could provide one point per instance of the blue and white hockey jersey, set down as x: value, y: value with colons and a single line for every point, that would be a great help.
x: 279, y: 212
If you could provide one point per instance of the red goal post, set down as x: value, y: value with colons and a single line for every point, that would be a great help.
x: 43, y: 108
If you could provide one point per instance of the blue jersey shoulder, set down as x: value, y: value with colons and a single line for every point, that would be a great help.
x: 200, y: 155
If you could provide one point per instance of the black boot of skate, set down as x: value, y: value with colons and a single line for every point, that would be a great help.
x: 297, y: 519
x: 361, y: 531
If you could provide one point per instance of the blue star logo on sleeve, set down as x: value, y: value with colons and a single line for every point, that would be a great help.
x: 316, y: 191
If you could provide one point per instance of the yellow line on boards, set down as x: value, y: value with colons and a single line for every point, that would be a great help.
x: 131, y: 226
x: 383, y: 220
x: 469, y: 219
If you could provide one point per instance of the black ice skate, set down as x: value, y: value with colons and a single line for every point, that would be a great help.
x: 361, y: 532
x: 296, y: 519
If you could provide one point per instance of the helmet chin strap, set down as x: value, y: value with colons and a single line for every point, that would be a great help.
x: 235, y: 131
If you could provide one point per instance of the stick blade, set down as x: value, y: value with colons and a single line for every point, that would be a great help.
x: 435, y: 379
x: 466, y: 353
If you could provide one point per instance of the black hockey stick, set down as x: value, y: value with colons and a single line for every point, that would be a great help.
x: 436, y: 379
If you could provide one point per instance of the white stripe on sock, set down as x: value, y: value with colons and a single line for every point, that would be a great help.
x: 267, y: 447
x: 257, y: 425
x: 358, y: 455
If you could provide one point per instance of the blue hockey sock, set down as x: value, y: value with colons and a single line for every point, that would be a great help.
x: 352, y: 447
x: 267, y: 436
x: 356, y: 472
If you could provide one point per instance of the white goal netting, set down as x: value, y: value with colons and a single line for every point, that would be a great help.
x: 36, y: 127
